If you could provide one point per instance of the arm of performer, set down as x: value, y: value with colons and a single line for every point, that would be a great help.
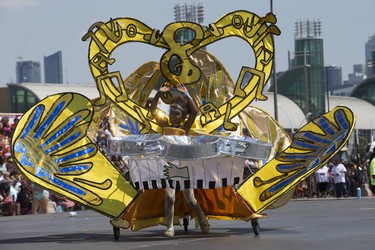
x: 192, y: 106
x: 154, y: 103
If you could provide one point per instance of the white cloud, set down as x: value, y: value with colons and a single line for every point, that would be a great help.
x: 14, y: 4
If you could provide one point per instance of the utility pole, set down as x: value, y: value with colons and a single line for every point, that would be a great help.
x: 273, y: 78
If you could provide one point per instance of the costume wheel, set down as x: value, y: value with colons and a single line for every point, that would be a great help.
x: 185, y: 223
x: 116, y: 233
x: 256, y: 228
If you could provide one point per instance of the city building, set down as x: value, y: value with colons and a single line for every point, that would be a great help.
x: 333, y: 78
x: 343, y: 91
x: 370, y: 56
x: 21, y: 97
x: 191, y: 13
x: 357, y: 76
x: 304, y: 82
x: 53, y: 69
x: 366, y: 91
x: 28, y: 71
x: 354, y: 79
x: 188, y: 13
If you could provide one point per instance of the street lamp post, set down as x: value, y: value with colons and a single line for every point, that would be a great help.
x: 327, y: 89
x: 306, y: 84
x: 273, y: 78
x: 306, y: 81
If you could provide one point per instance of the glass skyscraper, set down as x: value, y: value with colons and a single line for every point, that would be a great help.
x: 333, y: 77
x: 28, y: 71
x: 369, y: 54
x: 53, y: 69
x: 304, y: 82
x: 189, y: 13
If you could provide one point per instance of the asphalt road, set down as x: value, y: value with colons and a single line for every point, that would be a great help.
x: 301, y: 224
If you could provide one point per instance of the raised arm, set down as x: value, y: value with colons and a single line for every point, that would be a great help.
x: 193, y: 109
x: 154, y: 104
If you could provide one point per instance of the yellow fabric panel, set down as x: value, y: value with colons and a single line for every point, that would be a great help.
x: 51, y: 148
x: 313, y: 145
x: 220, y: 203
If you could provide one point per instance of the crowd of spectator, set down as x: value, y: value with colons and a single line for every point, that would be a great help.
x: 102, y: 136
x: 336, y: 179
x: 10, y: 178
x: 19, y: 197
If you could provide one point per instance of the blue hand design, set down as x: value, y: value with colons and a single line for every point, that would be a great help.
x: 308, y: 151
x: 52, y: 148
x: 133, y: 128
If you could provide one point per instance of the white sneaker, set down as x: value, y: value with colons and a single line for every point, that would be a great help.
x: 169, y: 232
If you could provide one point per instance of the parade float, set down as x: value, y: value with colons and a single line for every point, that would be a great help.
x: 54, y: 142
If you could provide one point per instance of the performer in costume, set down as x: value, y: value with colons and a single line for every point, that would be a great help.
x: 53, y: 142
x: 181, y: 107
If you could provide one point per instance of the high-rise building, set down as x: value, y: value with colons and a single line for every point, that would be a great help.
x: 357, y: 76
x: 189, y: 13
x: 369, y: 54
x: 53, y: 69
x: 305, y: 81
x: 28, y: 71
x: 333, y: 77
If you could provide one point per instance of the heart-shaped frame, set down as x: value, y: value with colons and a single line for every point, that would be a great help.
x: 256, y: 31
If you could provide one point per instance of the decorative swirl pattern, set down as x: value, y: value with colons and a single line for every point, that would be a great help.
x: 177, y: 66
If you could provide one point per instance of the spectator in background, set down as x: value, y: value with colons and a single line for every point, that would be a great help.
x: 14, y: 124
x: 10, y: 165
x: 364, y: 177
x: 331, y: 181
x: 322, y: 180
x: 67, y: 204
x: 372, y: 172
x: 40, y: 199
x: 301, y: 190
x: 3, y: 167
x: 339, y: 171
x: 25, y: 198
x: 120, y: 164
x: 62, y: 203
x: 14, y: 190
x: 9, y: 207
x: 6, y: 177
x: 7, y: 132
x: 352, y: 180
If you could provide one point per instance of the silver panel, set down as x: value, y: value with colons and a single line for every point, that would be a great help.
x: 189, y: 147
x: 133, y: 145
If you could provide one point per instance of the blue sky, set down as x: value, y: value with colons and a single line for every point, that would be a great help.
x: 32, y: 29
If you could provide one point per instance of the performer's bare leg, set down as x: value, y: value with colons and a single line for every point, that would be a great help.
x: 192, y: 202
x: 170, y: 196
